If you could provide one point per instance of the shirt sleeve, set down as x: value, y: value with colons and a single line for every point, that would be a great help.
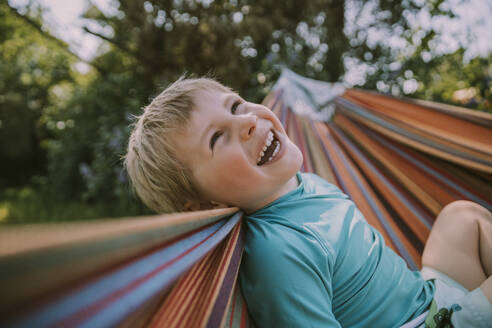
x: 286, y: 279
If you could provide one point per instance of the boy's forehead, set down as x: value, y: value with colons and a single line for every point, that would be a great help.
x: 207, y: 103
x: 211, y: 96
x: 186, y: 142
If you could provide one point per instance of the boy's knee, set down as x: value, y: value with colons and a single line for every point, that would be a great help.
x: 462, y: 211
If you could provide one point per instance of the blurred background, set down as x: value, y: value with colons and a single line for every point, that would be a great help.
x: 73, y: 73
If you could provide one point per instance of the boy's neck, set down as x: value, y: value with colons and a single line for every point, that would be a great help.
x: 290, y: 185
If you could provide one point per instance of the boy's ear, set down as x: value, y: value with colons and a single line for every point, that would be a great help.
x: 204, y: 205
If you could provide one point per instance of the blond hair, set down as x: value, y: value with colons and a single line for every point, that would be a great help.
x: 161, y: 181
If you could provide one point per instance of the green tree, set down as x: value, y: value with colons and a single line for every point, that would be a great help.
x: 239, y: 39
x: 446, y: 79
x: 32, y: 70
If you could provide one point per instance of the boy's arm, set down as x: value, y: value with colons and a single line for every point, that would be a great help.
x: 287, y: 282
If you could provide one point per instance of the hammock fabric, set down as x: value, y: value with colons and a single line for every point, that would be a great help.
x: 400, y: 160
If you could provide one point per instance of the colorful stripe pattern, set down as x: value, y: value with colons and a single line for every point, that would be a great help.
x: 205, y: 256
x: 212, y: 279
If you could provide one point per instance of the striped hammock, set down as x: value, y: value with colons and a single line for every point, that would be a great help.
x: 400, y: 160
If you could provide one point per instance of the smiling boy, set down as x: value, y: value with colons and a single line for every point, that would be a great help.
x: 310, y: 258
x: 238, y: 151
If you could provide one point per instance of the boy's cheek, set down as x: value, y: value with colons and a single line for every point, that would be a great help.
x: 235, y: 163
x: 237, y: 174
x: 227, y: 174
x: 229, y: 178
x: 236, y: 179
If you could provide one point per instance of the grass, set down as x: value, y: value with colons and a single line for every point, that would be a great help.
x: 27, y: 205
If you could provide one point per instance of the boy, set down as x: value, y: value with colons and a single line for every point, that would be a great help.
x: 310, y: 258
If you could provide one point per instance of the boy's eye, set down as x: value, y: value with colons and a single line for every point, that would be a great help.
x: 214, y: 139
x: 234, y: 106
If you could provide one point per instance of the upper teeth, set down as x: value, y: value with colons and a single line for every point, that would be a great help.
x: 268, y: 142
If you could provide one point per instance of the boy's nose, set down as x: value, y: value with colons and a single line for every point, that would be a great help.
x: 248, y: 125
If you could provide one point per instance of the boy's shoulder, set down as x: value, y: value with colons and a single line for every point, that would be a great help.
x: 279, y: 237
x: 299, y: 215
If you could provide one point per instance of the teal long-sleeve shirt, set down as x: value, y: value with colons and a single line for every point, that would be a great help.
x: 312, y: 260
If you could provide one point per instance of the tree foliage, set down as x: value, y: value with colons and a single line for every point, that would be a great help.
x: 446, y: 79
x: 75, y: 126
x: 32, y: 72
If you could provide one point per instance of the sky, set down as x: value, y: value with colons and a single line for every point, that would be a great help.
x: 472, y: 23
x: 63, y: 20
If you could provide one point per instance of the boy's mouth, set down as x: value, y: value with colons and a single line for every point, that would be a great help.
x: 270, y: 149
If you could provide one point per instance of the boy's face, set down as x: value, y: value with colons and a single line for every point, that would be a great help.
x: 224, y: 146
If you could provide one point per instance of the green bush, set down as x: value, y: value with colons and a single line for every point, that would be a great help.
x: 30, y: 205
